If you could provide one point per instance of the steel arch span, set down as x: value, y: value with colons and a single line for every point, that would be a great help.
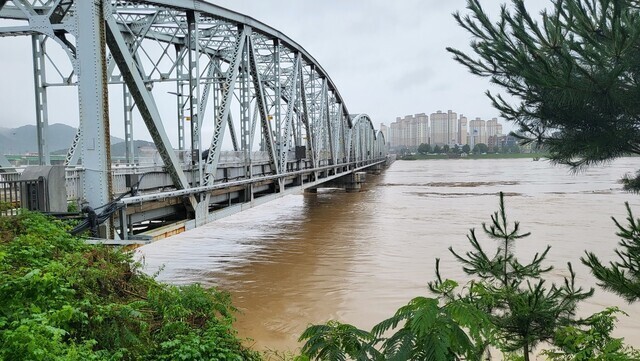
x: 259, y: 92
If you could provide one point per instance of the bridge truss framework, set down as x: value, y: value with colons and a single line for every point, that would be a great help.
x: 261, y: 92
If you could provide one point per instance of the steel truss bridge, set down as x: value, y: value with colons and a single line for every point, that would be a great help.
x: 263, y: 95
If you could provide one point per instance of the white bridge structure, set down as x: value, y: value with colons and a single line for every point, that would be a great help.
x: 279, y: 124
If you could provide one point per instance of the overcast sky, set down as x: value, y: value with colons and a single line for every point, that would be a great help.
x: 387, y: 58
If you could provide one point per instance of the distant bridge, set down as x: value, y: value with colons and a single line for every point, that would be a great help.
x: 262, y: 94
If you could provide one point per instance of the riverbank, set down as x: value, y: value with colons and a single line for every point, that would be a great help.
x: 63, y: 299
x: 474, y: 156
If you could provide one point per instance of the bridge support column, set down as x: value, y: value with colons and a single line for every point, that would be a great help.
x: 376, y: 169
x: 202, y: 212
x: 353, y: 182
x: 40, y: 79
x: 93, y: 101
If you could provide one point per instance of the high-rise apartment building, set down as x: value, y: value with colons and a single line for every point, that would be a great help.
x: 494, y: 132
x: 395, y: 133
x: 440, y: 129
x: 494, y: 128
x: 462, y: 130
x: 422, y: 128
x: 385, y: 132
x: 410, y: 131
x: 477, y: 132
x: 444, y: 128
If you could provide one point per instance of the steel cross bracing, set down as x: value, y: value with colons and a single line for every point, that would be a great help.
x: 257, y: 91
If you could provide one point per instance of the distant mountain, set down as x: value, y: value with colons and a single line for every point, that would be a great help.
x: 24, y: 139
x: 119, y: 150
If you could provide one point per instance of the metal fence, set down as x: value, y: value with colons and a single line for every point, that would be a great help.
x: 16, y: 194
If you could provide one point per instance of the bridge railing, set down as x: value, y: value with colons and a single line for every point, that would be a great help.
x: 16, y: 194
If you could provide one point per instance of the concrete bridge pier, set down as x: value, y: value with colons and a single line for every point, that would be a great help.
x: 351, y: 183
x: 354, y: 182
x: 376, y: 169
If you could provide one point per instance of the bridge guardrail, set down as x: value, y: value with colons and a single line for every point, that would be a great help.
x: 16, y: 194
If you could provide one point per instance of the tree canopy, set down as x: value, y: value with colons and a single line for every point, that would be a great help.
x: 622, y: 276
x: 572, y: 72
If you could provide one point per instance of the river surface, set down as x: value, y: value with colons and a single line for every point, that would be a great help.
x: 357, y: 257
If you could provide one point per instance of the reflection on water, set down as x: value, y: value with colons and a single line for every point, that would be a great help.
x: 357, y: 257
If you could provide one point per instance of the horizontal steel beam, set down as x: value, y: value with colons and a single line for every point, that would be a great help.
x: 27, y: 30
x: 202, y: 189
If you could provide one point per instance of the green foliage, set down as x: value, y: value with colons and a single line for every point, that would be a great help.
x: 574, y: 72
x: 275, y: 355
x: 521, y: 306
x: 437, y: 149
x: 423, y: 330
x: 72, y: 207
x: 337, y: 341
x: 430, y: 331
x: 61, y: 299
x: 623, y: 276
x: 480, y: 148
x: 5, y: 206
x: 592, y: 341
x: 424, y: 148
x: 466, y: 149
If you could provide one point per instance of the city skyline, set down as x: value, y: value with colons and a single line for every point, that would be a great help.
x: 441, y: 128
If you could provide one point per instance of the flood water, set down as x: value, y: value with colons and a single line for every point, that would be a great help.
x: 357, y: 257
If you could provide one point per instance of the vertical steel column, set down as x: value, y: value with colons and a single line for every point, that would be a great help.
x: 287, y: 132
x: 332, y: 157
x: 194, y: 95
x: 39, y: 79
x: 128, y: 124
x: 216, y: 85
x: 245, y: 115
x: 93, y: 101
x: 305, y: 119
x: 245, y: 108
x: 298, y: 122
x: 312, y: 118
x: 179, y: 94
x: 277, y: 116
x: 344, y: 125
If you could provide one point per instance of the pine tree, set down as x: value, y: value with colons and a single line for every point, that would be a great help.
x: 523, y: 307
x: 573, y: 74
x: 623, y: 276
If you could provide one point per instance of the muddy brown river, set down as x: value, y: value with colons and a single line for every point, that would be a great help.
x: 357, y: 257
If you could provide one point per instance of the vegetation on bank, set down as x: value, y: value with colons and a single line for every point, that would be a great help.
x: 61, y: 299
